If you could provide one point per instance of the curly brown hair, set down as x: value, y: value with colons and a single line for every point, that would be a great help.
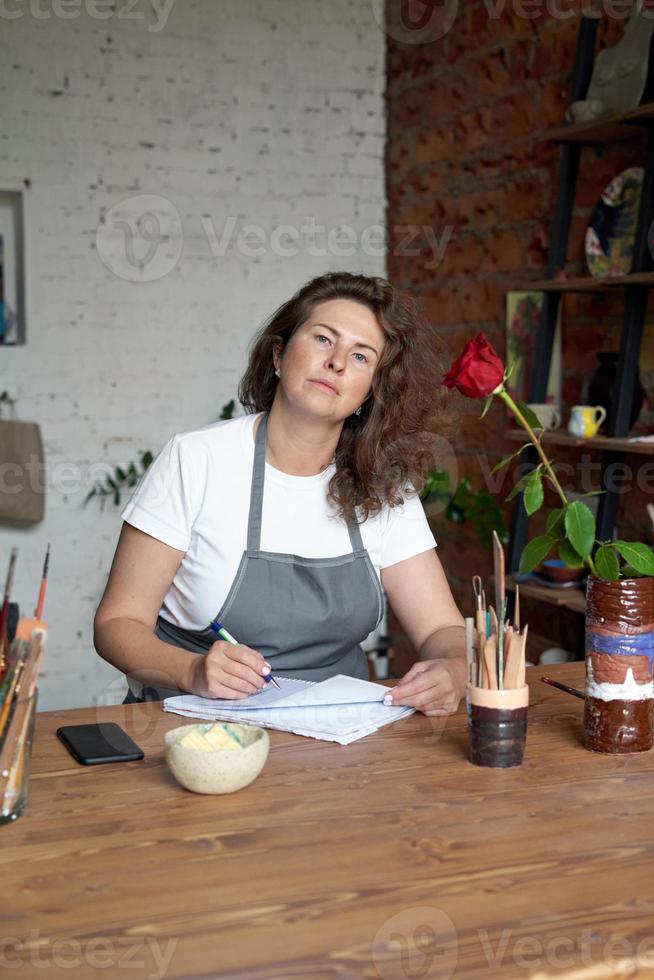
x: 392, y: 442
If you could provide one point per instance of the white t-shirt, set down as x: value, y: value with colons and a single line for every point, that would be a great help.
x: 195, y: 497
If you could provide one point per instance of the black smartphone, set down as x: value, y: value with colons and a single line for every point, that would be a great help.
x: 94, y: 744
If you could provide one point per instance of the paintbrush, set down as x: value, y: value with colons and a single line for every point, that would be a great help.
x: 25, y: 626
x: 564, y: 687
x: 17, y: 741
x: 4, y: 612
x: 38, y: 612
x: 470, y: 648
x: 10, y: 686
x: 480, y: 617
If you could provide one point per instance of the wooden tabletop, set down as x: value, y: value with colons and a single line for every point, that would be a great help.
x: 392, y: 857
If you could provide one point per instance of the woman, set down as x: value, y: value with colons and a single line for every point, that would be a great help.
x: 285, y: 524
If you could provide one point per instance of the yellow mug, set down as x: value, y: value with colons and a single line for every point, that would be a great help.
x: 585, y: 420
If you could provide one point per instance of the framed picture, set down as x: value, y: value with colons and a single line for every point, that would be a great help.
x: 523, y: 311
x: 12, y: 269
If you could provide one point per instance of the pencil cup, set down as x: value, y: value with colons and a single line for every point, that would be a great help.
x: 498, y: 726
x: 15, y: 760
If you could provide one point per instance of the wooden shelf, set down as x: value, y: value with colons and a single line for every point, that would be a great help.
x: 556, y: 438
x: 574, y: 598
x: 586, y: 284
x: 615, y: 128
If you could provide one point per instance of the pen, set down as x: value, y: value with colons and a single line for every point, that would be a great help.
x: 224, y: 635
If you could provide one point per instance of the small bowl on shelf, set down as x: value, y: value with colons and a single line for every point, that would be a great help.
x: 556, y: 571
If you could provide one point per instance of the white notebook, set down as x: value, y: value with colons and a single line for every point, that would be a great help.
x: 340, y: 709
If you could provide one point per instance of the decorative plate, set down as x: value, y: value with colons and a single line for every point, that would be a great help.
x: 611, y: 233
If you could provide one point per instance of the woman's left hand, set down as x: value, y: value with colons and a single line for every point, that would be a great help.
x: 434, y: 687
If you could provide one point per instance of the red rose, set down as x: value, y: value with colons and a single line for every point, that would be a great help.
x: 478, y: 371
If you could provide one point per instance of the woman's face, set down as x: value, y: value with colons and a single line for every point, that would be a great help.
x: 327, y: 366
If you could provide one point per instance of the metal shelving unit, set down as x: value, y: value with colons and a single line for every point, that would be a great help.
x: 614, y: 445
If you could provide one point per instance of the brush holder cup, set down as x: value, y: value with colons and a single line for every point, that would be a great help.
x: 497, y: 726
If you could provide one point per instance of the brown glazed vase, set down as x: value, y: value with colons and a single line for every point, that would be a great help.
x: 619, y: 654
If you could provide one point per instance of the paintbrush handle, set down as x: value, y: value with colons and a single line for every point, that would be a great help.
x: 564, y: 687
x: 470, y: 647
x: 479, y: 659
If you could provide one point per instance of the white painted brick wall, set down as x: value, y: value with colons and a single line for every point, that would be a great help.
x: 266, y: 111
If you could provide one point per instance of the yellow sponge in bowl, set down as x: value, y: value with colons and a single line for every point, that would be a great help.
x: 212, y: 737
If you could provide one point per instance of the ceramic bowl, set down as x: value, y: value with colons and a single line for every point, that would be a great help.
x: 220, y: 770
x: 556, y: 571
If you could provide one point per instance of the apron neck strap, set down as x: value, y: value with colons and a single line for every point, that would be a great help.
x: 256, y: 495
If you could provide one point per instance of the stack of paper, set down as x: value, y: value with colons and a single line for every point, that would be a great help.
x: 341, y: 709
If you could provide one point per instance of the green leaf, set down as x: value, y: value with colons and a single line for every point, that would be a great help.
x: 534, y: 495
x: 228, y: 410
x: 580, y: 527
x: 455, y: 514
x: 437, y: 484
x: 530, y: 416
x: 569, y: 556
x: 534, y: 552
x: 507, y: 459
x: 120, y: 474
x: 555, y: 523
x: 607, y: 564
x: 520, y: 485
x: 146, y: 459
x: 112, y: 483
x: 638, y: 555
x: 628, y: 571
x: 487, y: 405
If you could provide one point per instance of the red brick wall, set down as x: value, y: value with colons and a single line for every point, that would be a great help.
x: 465, y: 158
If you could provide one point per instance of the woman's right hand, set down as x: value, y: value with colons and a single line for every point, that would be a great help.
x: 228, y: 671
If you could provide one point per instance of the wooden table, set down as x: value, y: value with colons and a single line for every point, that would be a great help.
x: 391, y: 857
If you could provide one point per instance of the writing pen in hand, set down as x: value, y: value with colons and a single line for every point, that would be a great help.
x: 224, y: 635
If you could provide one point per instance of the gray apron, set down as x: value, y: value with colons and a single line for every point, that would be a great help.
x: 306, y: 616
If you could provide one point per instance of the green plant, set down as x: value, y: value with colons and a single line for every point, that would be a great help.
x: 465, y: 505
x: 127, y: 478
x: 121, y: 479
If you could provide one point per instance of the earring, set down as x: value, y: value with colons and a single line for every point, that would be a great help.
x: 277, y: 374
x: 358, y: 411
